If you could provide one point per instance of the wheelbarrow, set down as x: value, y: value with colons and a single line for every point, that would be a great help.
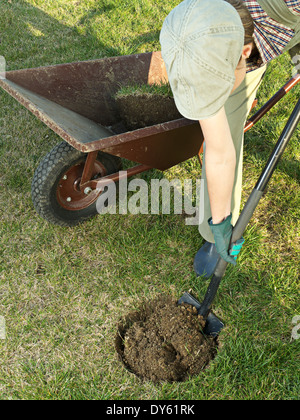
x: 77, y: 101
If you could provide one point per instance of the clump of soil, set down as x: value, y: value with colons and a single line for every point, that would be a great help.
x: 163, y: 341
x: 145, y: 106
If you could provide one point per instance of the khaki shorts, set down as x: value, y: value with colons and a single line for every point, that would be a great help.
x: 238, y: 107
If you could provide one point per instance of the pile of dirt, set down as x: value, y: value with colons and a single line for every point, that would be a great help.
x: 141, y: 110
x: 163, y: 341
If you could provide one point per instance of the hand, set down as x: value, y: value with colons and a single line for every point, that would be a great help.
x: 222, y: 234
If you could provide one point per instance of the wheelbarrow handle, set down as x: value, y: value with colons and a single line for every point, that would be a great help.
x: 251, y: 205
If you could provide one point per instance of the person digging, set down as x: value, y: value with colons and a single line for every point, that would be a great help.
x: 216, y: 54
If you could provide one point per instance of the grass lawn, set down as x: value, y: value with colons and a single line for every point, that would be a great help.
x: 62, y: 290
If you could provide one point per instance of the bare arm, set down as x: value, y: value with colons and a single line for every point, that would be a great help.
x: 220, y: 161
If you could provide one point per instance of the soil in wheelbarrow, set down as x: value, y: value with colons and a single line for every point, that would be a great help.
x: 139, y: 109
x: 163, y: 341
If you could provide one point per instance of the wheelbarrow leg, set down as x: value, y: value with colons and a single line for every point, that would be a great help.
x: 88, y: 167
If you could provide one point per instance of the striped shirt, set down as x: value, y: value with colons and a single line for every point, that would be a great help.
x: 270, y: 36
x: 294, y: 6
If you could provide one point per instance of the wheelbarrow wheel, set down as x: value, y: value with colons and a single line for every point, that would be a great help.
x: 55, y: 186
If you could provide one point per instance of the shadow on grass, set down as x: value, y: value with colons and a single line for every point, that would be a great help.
x: 31, y: 37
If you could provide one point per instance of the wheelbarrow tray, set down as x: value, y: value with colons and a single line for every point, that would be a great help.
x: 77, y: 101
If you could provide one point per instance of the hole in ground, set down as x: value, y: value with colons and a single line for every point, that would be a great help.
x: 164, y: 341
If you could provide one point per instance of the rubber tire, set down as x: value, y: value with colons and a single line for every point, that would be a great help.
x: 45, y: 183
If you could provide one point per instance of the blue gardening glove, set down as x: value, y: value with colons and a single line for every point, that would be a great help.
x: 222, y: 233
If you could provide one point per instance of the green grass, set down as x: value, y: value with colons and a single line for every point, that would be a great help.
x: 62, y: 291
